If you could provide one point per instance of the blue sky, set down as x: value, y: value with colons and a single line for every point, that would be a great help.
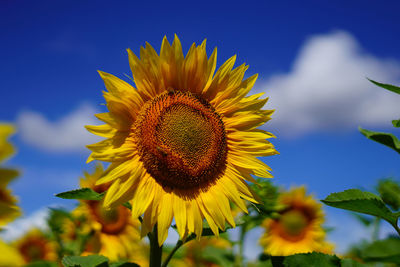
x: 312, y: 58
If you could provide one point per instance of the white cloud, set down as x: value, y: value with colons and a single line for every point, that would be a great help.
x: 65, y: 135
x: 14, y: 230
x: 327, y: 89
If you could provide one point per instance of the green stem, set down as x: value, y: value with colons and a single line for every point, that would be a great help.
x: 397, y: 228
x: 375, y: 233
x: 239, y: 256
x: 177, y: 246
x: 155, y: 249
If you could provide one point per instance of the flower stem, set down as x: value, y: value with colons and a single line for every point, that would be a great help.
x: 396, y: 228
x: 155, y: 249
x: 177, y: 246
x: 239, y: 255
x: 375, y: 232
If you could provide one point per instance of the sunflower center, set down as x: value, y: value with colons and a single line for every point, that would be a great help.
x: 113, y: 221
x: 294, y: 222
x: 33, y: 250
x: 181, y: 141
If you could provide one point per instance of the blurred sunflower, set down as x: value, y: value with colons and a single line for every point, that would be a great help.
x: 9, y: 256
x: 8, y: 208
x: 116, y: 232
x: 298, y: 229
x: 197, y: 253
x: 184, y: 142
x: 35, y: 246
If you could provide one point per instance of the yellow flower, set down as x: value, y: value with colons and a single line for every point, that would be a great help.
x: 184, y: 142
x: 116, y: 232
x: 298, y: 229
x: 35, y: 246
x: 8, y: 208
x: 9, y: 256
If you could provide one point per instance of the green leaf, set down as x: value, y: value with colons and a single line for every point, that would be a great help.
x: 351, y: 263
x: 390, y: 192
x: 82, y: 193
x: 312, y: 260
x: 57, y: 218
x: 85, y: 261
x: 363, y: 202
x: 389, y: 87
x: 124, y: 264
x: 396, y: 123
x: 386, y: 139
x: 387, y: 250
x: 205, y: 232
x: 41, y: 264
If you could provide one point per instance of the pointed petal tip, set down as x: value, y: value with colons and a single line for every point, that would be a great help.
x: 90, y: 158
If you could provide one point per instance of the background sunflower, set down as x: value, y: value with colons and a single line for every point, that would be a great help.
x: 297, y: 228
x: 36, y: 246
x: 115, y: 233
x: 8, y: 208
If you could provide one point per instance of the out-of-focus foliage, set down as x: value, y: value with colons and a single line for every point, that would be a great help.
x: 386, y: 139
x: 389, y: 191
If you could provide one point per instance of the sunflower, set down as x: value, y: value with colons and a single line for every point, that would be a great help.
x: 298, y: 228
x: 36, y: 246
x: 9, y: 256
x: 184, y: 142
x: 116, y: 232
x: 8, y: 208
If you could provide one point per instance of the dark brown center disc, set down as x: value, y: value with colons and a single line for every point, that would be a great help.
x: 181, y: 141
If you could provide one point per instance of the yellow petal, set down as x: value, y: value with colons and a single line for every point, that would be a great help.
x: 165, y: 217
x: 104, y: 130
x: 209, y: 218
x: 180, y: 215
x: 143, y: 195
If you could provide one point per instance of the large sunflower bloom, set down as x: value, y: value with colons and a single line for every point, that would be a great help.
x: 184, y: 142
x: 116, y: 232
x: 36, y: 246
x: 8, y: 208
x: 298, y: 229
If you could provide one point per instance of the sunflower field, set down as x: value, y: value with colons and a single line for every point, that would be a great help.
x: 180, y: 151
x: 205, y: 133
